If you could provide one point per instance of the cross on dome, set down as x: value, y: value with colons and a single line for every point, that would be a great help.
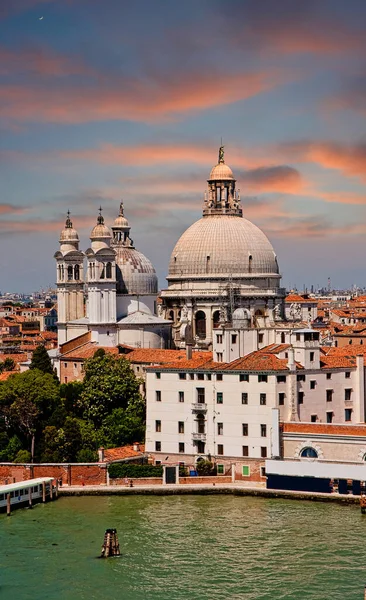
x: 100, y: 219
x: 68, y: 223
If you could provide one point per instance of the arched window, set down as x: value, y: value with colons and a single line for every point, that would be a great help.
x: 77, y: 272
x: 69, y: 273
x: 200, y: 319
x: 308, y: 453
x: 283, y: 338
x: 250, y: 263
x: 108, y: 271
x: 171, y: 315
x: 259, y: 313
x: 200, y: 423
x: 216, y: 319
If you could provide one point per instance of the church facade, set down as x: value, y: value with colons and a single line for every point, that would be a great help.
x: 109, y: 290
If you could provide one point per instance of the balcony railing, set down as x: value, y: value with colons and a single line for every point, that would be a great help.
x: 199, y: 437
x: 199, y: 407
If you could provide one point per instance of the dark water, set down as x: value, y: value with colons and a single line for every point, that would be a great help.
x: 196, y: 548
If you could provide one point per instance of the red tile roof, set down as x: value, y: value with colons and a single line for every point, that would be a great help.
x: 299, y: 299
x: 86, y: 351
x: 122, y: 452
x: 158, y: 356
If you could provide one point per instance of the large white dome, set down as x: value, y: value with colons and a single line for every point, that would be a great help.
x: 223, y: 245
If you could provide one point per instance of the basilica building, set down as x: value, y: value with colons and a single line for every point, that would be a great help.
x: 221, y: 263
x: 222, y: 271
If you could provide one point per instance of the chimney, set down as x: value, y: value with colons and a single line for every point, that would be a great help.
x: 291, y: 359
x: 136, y: 447
x: 188, y: 351
x: 101, y: 454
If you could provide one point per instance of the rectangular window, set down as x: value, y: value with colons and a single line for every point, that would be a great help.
x: 157, y: 446
x: 329, y: 395
x: 208, y: 376
x: 219, y: 338
x: 329, y: 375
x: 245, y: 450
x: 301, y: 378
x: 312, y: 356
x: 300, y: 397
x: 220, y: 429
x: 244, y: 398
x: 65, y: 365
x: 348, y: 414
x: 263, y: 430
x: 158, y: 375
x: 263, y: 451
x: 201, y: 395
x: 219, y: 357
x: 245, y: 428
x: 158, y: 426
x: 200, y: 376
x: 313, y: 418
x: 191, y: 376
x: 281, y: 378
x: 158, y: 462
x: 219, y: 398
x: 260, y: 338
x: 244, y: 377
x: 281, y: 398
x: 182, y: 375
x: 347, y: 374
x: 263, y: 471
x: 181, y: 396
x: 262, y: 378
x: 329, y: 417
x: 158, y: 396
x: 180, y: 426
x: 234, y: 338
x: 348, y: 394
x: 312, y: 384
x: 219, y: 377
x: 262, y: 399
x: 220, y: 469
x: 220, y: 449
x: 181, y: 447
x: 75, y: 366
x: 297, y: 337
x: 245, y: 471
x: 65, y: 379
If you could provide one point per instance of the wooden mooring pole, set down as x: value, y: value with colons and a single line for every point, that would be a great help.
x: 110, y: 544
x: 43, y: 491
x: 30, y: 497
x: 8, y: 505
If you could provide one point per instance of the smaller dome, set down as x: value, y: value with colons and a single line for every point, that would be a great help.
x: 100, y: 231
x: 220, y: 172
x: 121, y: 222
x: 69, y: 234
x: 241, y: 318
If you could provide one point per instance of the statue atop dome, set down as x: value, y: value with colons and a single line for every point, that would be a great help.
x: 221, y: 155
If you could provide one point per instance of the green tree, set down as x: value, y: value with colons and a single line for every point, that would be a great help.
x: 23, y: 456
x: 51, y: 445
x: 41, y: 360
x: 70, y: 395
x: 24, y: 414
x: 9, y: 364
x: 109, y: 383
x: 86, y: 455
x: 72, y: 442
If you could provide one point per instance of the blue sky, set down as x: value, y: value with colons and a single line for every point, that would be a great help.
x: 103, y: 101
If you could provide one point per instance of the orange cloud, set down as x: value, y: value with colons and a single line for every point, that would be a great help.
x: 40, y: 61
x: 139, y: 100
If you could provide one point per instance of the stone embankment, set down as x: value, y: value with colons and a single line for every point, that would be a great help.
x: 202, y: 489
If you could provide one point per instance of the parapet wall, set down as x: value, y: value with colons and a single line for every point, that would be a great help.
x: 69, y: 474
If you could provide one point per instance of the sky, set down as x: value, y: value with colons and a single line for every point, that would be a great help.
x: 103, y: 100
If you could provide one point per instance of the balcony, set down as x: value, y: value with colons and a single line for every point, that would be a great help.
x: 199, y: 437
x: 199, y: 407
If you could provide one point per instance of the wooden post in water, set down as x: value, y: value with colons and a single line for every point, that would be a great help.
x: 43, y: 491
x: 51, y: 490
x: 56, y: 490
x: 110, y: 544
x: 363, y: 504
x: 30, y: 497
x: 8, y: 505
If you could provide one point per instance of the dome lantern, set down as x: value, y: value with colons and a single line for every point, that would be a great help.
x: 69, y: 237
x: 221, y: 197
x: 100, y: 235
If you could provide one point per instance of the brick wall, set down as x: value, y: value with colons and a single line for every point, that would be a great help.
x: 74, y: 474
x: 138, y: 481
x: 71, y: 370
x: 254, y: 470
x: 202, y: 480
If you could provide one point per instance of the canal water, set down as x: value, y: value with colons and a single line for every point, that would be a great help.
x: 184, y: 548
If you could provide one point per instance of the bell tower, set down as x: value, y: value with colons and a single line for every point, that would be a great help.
x: 70, y: 279
x: 101, y: 276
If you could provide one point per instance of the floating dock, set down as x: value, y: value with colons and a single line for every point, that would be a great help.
x: 27, y: 493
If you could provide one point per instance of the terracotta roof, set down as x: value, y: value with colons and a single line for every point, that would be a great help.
x: 299, y: 299
x: 17, y: 358
x: 6, y: 374
x: 86, y: 351
x: 122, y: 452
x: 337, y: 362
x: 199, y: 362
x: 257, y: 361
x: 274, y: 348
x: 158, y: 356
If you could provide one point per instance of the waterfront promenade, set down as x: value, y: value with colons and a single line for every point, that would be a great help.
x: 234, y: 489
